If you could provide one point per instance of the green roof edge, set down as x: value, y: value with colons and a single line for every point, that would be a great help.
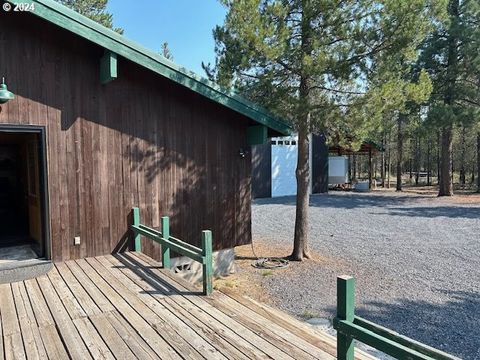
x: 86, y: 28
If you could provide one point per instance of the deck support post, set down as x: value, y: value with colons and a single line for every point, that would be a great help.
x: 207, y: 267
x: 345, y: 311
x: 136, y: 222
x: 165, y: 249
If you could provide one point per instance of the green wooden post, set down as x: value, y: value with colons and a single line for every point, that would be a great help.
x: 207, y: 267
x: 345, y: 311
x: 136, y: 221
x: 166, y: 236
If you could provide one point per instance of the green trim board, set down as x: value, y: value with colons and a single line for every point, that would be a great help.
x: 257, y: 135
x: 108, y: 67
x: 88, y: 29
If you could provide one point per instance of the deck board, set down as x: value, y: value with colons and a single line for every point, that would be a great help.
x: 125, y: 306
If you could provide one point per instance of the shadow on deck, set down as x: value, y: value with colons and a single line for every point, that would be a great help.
x: 127, y: 307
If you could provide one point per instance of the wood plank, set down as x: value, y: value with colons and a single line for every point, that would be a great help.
x: 254, y: 339
x: 151, y: 337
x: 74, y: 309
x: 39, y: 306
x: 67, y: 330
x: 52, y: 342
x: 306, y: 331
x: 138, y: 346
x: 111, y: 337
x: 31, y: 318
x: 90, y: 288
x: 46, y: 325
x: 2, y: 352
x: 285, y: 340
x: 168, y: 318
x: 224, y: 339
x: 85, y: 301
x: 12, y: 338
x: 165, y: 329
x: 7, y: 308
x: 31, y: 350
x: 14, y: 349
x: 96, y: 346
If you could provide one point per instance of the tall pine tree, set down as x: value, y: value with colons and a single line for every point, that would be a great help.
x: 450, y: 55
x: 320, y: 63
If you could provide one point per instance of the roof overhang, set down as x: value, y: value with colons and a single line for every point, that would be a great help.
x: 111, y: 41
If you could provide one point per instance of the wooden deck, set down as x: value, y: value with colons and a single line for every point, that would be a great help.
x: 126, y: 307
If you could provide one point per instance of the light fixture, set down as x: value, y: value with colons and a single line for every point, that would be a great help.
x: 242, y: 152
x: 5, y: 95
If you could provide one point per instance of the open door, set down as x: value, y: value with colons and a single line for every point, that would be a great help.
x: 23, y: 226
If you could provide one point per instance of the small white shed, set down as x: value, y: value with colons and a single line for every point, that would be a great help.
x: 337, y: 170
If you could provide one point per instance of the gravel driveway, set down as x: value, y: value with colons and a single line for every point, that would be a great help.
x: 416, y: 259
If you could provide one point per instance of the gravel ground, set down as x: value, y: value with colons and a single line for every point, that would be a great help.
x: 416, y: 259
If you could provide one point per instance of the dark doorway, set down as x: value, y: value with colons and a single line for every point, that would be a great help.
x: 22, y: 195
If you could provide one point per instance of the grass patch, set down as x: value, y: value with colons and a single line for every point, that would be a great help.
x: 307, y: 315
x: 267, y: 273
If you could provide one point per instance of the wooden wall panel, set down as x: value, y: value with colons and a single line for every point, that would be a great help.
x: 140, y: 140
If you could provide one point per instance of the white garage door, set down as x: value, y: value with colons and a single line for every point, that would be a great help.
x: 284, y: 163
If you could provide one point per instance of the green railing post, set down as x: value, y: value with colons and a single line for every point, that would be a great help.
x: 207, y: 266
x: 136, y: 222
x: 165, y: 248
x: 345, y: 311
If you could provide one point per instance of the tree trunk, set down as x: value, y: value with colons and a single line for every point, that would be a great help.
x: 350, y: 168
x: 429, y: 161
x: 446, y: 176
x: 354, y: 169
x: 446, y: 184
x: 383, y: 161
x: 370, y: 169
x: 478, y: 162
x: 300, y: 243
x: 389, y: 164
x: 439, y: 146
x: 417, y: 160
x: 462, y: 158
x: 399, y: 152
x: 473, y: 174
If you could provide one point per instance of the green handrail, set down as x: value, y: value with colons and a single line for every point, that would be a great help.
x: 350, y: 327
x: 202, y: 255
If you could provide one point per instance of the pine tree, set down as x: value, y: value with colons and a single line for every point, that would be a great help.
x: 166, y: 51
x: 93, y: 9
x: 450, y: 55
x: 324, y: 64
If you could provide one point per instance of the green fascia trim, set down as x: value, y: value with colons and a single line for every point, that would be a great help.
x: 108, y: 67
x: 257, y: 135
x: 110, y: 40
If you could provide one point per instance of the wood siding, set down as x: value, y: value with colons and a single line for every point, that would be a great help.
x: 140, y: 140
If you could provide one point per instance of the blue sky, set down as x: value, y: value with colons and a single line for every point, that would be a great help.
x: 185, y: 24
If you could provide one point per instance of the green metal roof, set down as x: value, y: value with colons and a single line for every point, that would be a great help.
x: 88, y: 29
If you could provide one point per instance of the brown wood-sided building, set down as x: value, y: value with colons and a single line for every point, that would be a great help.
x: 99, y: 125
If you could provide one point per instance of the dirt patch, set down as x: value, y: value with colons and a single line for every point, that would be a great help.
x: 461, y: 196
x: 248, y: 280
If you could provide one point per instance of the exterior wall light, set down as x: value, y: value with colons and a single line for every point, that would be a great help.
x: 243, y: 152
x: 5, y: 95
